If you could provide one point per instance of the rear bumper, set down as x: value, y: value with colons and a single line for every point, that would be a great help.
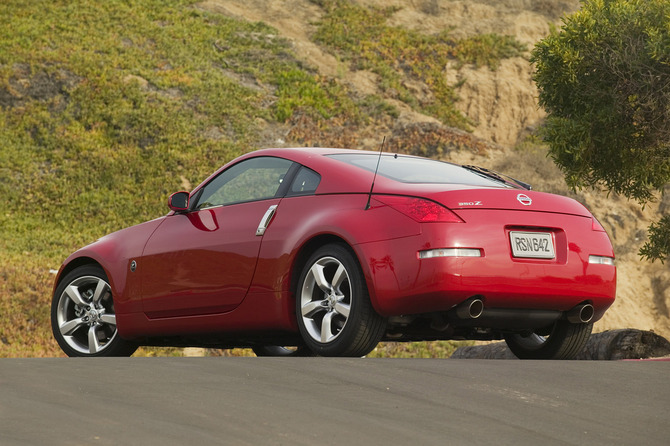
x: 402, y: 283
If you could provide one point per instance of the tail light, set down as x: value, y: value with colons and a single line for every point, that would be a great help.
x: 420, y: 209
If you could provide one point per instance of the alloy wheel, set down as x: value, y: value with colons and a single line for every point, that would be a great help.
x: 325, y: 299
x: 85, y: 315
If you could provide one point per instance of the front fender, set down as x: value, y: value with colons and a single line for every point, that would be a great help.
x: 114, y: 253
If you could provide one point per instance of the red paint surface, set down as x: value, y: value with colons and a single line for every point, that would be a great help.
x: 207, y: 271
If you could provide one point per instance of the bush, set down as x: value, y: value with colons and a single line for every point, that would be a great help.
x: 603, y: 79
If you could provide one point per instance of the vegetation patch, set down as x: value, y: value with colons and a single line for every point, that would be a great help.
x: 105, y: 107
x: 604, y: 80
x: 435, y: 349
x: 433, y: 141
x: 362, y: 37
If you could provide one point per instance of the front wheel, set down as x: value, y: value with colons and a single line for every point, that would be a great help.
x: 83, y: 320
x: 565, y: 341
x: 334, y: 312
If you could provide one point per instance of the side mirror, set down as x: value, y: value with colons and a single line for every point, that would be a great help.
x: 178, y: 201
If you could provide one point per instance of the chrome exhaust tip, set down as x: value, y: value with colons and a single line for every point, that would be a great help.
x: 470, y: 309
x: 581, y: 314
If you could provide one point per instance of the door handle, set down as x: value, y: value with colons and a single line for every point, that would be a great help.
x: 265, y: 221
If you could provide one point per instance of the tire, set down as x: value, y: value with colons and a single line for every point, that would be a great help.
x: 565, y: 341
x: 333, y: 308
x: 277, y: 350
x: 83, y: 320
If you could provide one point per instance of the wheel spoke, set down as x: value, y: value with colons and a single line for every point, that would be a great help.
x: 320, y: 278
x: 71, y: 326
x: 93, y: 344
x: 100, y: 290
x: 73, y: 293
x: 109, y: 319
x: 312, y: 308
x: 339, y: 277
x: 326, y: 324
x: 342, y: 308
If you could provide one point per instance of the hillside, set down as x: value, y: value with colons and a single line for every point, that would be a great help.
x: 106, y: 110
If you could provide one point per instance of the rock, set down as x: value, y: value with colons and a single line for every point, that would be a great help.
x: 625, y: 344
x: 497, y: 350
x: 608, y: 345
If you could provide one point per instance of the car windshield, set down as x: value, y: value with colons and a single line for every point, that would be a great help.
x: 409, y: 169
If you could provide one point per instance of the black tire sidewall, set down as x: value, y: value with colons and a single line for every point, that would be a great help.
x: 348, y: 342
x: 565, y: 341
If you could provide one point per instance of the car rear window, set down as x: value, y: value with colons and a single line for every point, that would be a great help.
x: 409, y: 169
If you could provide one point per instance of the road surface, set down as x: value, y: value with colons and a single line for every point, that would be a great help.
x: 327, y: 401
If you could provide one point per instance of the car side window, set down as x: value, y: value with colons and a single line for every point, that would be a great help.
x: 305, y: 182
x: 250, y: 180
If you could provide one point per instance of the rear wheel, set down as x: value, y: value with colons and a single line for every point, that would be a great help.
x: 565, y: 341
x: 83, y: 320
x: 333, y: 307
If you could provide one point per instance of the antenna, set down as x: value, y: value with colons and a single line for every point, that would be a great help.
x: 367, y: 206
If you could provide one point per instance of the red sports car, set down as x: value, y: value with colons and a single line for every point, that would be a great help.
x: 329, y: 251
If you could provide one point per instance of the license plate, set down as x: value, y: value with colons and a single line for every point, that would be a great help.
x: 533, y: 245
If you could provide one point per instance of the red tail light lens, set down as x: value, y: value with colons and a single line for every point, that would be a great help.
x: 420, y: 209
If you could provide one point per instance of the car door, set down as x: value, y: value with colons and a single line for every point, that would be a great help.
x: 202, y: 261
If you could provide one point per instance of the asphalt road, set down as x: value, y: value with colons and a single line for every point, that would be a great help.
x: 294, y: 401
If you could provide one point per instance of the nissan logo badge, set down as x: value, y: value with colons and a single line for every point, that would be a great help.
x: 524, y: 199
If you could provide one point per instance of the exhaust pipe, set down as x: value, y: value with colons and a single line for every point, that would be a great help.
x: 465, y: 311
x: 581, y: 314
x: 472, y: 313
x: 470, y: 309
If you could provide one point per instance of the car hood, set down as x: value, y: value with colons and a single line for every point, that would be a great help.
x: 120, y: 245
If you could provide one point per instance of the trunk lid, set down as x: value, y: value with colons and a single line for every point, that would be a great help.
x: 456, y: 197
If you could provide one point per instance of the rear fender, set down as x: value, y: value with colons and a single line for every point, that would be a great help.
x: 302, y: 224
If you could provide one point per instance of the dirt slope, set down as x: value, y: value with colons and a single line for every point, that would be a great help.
x: 503, y: 106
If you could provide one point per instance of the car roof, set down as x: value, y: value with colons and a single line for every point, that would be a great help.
x: 339, y: 177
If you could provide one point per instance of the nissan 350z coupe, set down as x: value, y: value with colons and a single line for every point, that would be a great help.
x: 330, y: 251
